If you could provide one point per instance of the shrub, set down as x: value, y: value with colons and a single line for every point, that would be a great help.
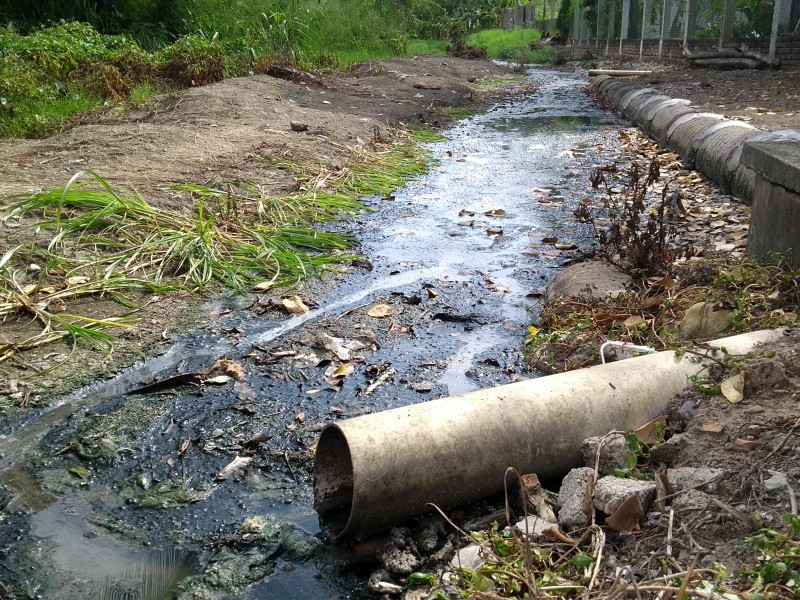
x: 194, y: 61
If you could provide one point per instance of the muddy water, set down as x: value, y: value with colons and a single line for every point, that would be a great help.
x: 115, y: 491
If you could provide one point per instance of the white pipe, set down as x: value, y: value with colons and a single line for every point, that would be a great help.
x: 376, y: 470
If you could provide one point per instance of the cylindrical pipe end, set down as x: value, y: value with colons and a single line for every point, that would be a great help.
x: 333, y: 482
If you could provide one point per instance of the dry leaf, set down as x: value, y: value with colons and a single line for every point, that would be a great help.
x: 549, y: 240
x: 565, y: 246
x: 343, y: 371
x: 634, y: 321
x: 226, y: 366
x: 466, y: 213
x: 77, y: 280
x: 235, y: 467
x: 184, y: 446
x: 263, y: 286
x: 380, y: 311
x: 295, y: 305
x: 497, y: 212
x: 712, y: 427
x: 649, y: 433
x: 494, y: 231
x: 741, y: 445
x: 626, y: 518
x: 217, y: 380
x: 732, y: 388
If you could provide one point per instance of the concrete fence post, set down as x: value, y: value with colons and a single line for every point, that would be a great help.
x: 576, y: 21
x: 664, y: 7
x: 612, y: 14
x: 780, y: 23
x: 626, y: 22
x: 647, y: 15
x: 688, y: 23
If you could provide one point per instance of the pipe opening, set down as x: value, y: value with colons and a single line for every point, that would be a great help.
x: 333, y: 481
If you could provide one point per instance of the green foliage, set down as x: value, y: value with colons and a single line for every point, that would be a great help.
x: 505, y: 45
x: 565, y: 17
x: 778, y: 559
x: 193, y: 61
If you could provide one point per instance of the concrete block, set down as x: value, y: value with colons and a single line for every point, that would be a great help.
x: 778, y: 162
x: 468, y: 557
x: 612, y: 453
x: 573, y: 498
x: 535, y: 526
x: 594, y: 278
x: 670, y: 450
x: 636, y: 103
x: 681, y: 132
x: 775, y: 214
x: 743, y: 179
x: 605, y: 83
x: 612, y: 491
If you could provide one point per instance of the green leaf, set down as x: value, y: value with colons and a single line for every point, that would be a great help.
x: 582, y: 560
x: 421, y: 579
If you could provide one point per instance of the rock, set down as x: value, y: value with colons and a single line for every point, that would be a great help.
x: 612, y: 491
x: 535, y: 526
x: 400, y: 562
x: 594, y: 278
x: 574, y: 498
x: 612, y: 453
x: 777, y: 481
x: 690, y: 500
x: 377, y: 583
x: 764, y: 374
x: 668, y: 451
x: 298, y: 127
x: 684, y: 478
x: 428, y: 538
x: 472, y: 79
x: 469, y: 557
x: 703, y: 322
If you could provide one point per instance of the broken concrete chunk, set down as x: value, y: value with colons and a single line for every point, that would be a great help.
x: 470, y: 557
x: 690, y: 500
x: 668, y: 451
x: 535, y: 526
x: 703, y: 322
x: 684, y: 478
x: 575, y: 498
x: 612, y: 452
x: 777, y: 481
x: 612, y: 491
x: 764, y: 374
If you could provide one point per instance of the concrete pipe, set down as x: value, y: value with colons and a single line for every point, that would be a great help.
x: 376, y: 470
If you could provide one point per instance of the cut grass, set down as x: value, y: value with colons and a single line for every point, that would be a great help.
x: 113, y: 243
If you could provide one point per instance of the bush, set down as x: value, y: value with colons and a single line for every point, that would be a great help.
x: 194, y: 61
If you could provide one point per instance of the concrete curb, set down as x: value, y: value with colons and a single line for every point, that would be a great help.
x: 710, y: 142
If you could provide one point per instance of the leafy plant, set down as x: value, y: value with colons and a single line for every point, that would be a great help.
x: 777, y: 573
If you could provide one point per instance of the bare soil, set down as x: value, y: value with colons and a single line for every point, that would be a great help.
x: 230, y: 131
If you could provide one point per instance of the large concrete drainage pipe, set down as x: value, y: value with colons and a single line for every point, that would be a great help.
x: 376, y: 470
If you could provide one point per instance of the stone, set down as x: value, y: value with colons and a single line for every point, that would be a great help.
x: 594, y: 278
x: 777, y: 481
x: 298, y: 127
x: 764, y: 374
x: 612, y: 453
x: 669, y: 450
x: 535, y: 526
x: 400, y: 561
x: 469, y: 557
x: 703, y: 322
x: 684, y: 478
x: 690, y: 500
x: 573, y: 497
x: 612, y: 491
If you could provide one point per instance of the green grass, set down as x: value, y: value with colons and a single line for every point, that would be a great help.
x: 504, y: 45
x: 36, y: 118
x: 422, y: 46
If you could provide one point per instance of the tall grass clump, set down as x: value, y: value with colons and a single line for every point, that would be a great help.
x: 505, y: 45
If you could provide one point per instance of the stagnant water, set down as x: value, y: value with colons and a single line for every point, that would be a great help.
x: 464, y: 287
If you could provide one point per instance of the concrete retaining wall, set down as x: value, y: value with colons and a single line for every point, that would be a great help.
x: 760, y: 168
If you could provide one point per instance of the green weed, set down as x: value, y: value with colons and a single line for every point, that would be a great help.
x: 777, y: 574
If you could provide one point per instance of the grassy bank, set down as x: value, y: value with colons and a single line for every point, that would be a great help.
x: 517, y: 45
